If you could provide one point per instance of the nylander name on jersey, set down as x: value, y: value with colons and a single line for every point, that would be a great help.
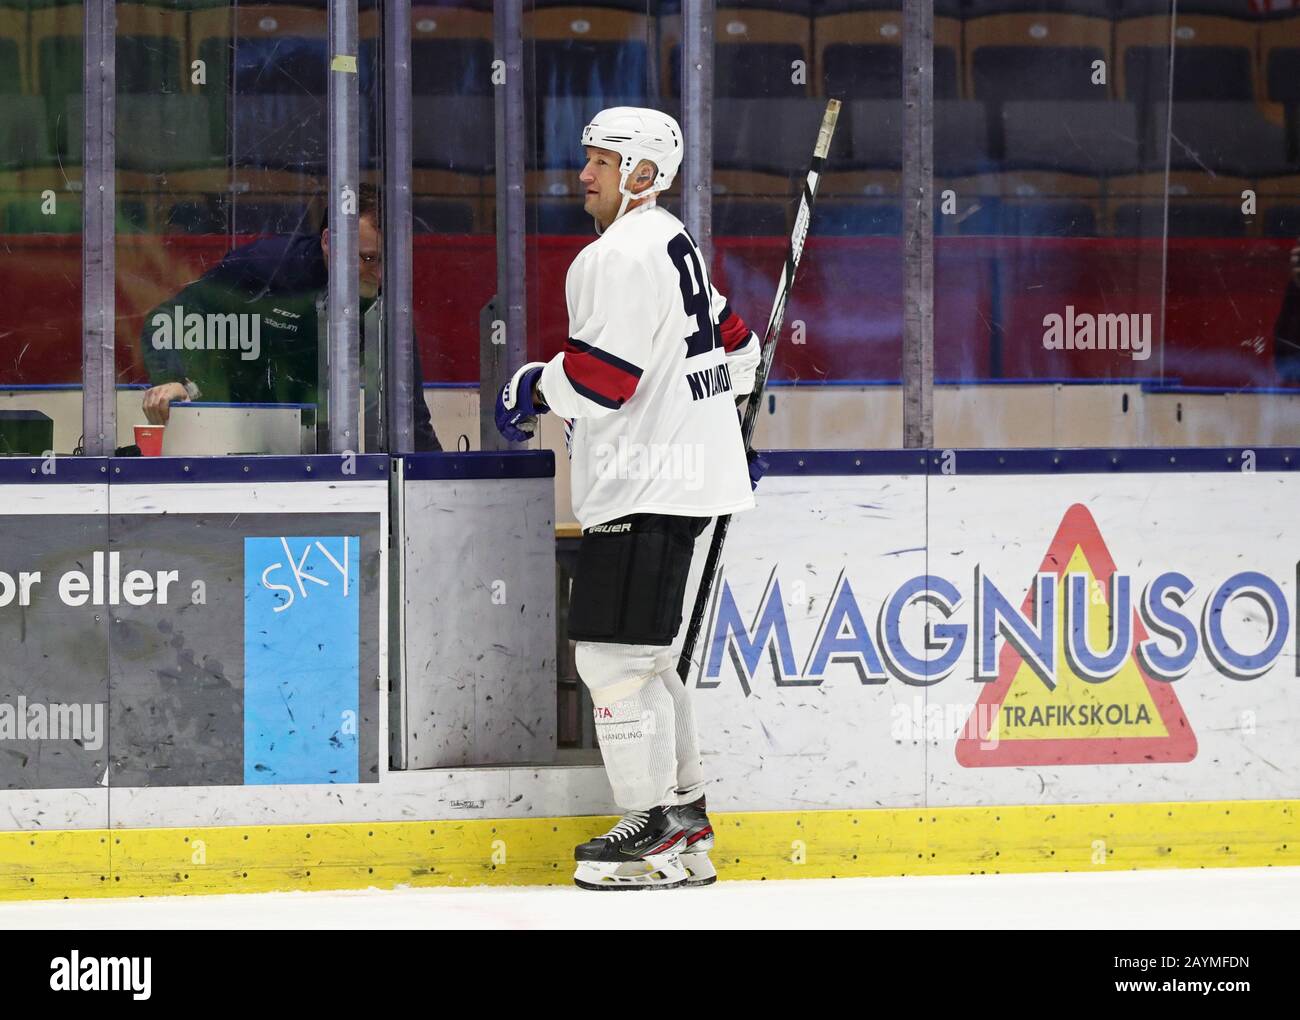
x: 654, y: 359
x: 709, y: 382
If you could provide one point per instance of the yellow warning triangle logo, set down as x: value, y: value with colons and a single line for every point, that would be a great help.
x: 1129, y: 718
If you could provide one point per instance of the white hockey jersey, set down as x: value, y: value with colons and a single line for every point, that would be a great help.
x: 649, y: 377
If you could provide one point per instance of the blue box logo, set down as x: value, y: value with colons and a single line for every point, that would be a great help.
x: 302, y: 648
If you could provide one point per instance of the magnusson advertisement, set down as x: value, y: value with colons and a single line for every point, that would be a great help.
x: 947, y: 640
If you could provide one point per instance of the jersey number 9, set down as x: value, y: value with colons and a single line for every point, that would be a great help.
x: 696, y: 300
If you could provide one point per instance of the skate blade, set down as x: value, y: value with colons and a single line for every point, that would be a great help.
x: 699, y: 869
x: 663, y: 871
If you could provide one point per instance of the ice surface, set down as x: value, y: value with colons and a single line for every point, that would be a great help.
x: 1211, y: 898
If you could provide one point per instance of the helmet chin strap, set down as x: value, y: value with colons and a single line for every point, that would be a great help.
x: 628, y: 196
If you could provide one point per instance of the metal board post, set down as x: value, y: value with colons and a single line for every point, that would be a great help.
x: 343, y: 398
x: 98, y: 261
x: 401, y: 390
x: 918, y: 223
x: 511, y: 142
x: 697, y: 118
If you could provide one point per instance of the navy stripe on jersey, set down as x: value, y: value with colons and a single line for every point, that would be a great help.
x: 599, y: 376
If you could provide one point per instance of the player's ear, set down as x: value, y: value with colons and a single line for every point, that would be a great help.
x: 644, y: 175
x: 325, y: 242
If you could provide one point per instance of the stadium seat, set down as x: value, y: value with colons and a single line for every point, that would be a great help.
x: 453, y: 151
x: 1044, y: 55
x: 760, y: 148
x: 838, y: 218
x: 773, y: 136
x: 875, y: 129
x: 149, y: 47
x: 1214, y: 59
x: 24, y: 141
x: 453, y: 133
x: 558, y: 216
x: 942, y: 8
x: 274, y: 58
x: 976, y: 214
x: 263, y: 48
x: 155, y: 133
x: 151, y: 40
x: 555, y: 131
x: 1200, y: 205
x: 280, y: 132
x: 243, y: 183
x: 1282, y: 219
x: 158, y: 133
x: 755, y: 47
x: 960, y: 136
x: 589, y: 51
x: 272, y: 214
x: 1071, y: 137
x: 13, y: 52
x: 858, y: 203
x: 1088, y: 8
x: 1025, y: 203
x: 1125, y: 9
x: 23, y: 215
x: 197, y: 214
x: 752, y: 183
x: 1187, y: 218
x: 738, y: 216
x: 451, y: 51
x: 553, y: 183
x: 1050, y: 217
x: 859, y: 54
x: 458, y: 192
x: 1279, y: 50
x: 1247, y: 139
x: 1279, y: 205
x: 444, y: 216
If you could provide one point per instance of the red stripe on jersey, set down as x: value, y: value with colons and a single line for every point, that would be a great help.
x: 733, y: 328
x: 598, y: 375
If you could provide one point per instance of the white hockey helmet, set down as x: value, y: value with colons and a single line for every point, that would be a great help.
x: 637, y: 133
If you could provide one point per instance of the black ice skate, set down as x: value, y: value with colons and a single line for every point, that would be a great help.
x: 639, y: 852
x: 699, y: 841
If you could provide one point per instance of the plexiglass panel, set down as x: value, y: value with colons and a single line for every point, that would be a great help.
x: 41, y: 107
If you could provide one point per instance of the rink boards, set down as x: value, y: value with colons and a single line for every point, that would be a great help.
x: 913, y: 662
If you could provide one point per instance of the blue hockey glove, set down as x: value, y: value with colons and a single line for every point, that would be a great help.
x: 757, y: 467
x: 516, y: 413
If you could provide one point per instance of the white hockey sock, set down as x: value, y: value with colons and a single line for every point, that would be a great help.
x: 634, y: 723
x: 690, y: 768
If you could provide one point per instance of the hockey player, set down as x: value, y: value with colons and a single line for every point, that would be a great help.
x: 649, y: 380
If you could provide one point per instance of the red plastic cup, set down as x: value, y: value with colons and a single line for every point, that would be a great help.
x: 150, y: 440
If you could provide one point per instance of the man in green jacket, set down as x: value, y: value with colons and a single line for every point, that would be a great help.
x: 249, y: 329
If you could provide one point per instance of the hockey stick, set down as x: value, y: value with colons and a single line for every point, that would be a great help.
x: 792, y: 256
